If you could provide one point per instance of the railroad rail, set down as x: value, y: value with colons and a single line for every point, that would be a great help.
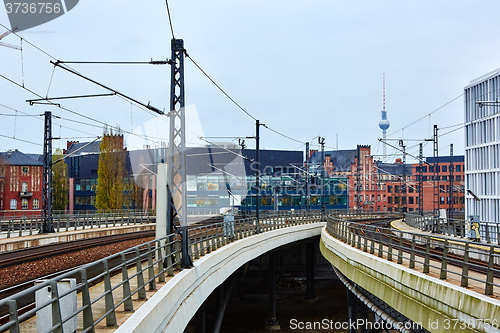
x: 446, y: 255
x: 27, y: 226
x: 152, y: 262
x: 38, y: 252
x: 489, y: 231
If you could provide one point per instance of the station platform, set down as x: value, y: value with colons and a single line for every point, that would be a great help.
x: 19, y: 243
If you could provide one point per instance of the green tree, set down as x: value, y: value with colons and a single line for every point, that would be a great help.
x: 60, y: 187
x: 110, y: 174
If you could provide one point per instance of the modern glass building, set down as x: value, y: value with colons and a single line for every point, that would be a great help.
x: 217, y: 177
x: 482, y: 148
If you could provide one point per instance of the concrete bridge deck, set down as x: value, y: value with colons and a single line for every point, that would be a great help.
x: 422, y: 296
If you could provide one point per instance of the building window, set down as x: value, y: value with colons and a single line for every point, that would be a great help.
x: 13, y: 204
x: 25, y: 171
x: 458, y: 178
x: 24, y: 204
x: 444, y: 168
x: 24, y: 187
x: 410, y: 200
x: 458, y: 168
x: 36, y: 204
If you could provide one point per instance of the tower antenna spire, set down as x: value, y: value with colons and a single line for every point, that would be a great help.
x: 384, y: 122
x: 383, y: 91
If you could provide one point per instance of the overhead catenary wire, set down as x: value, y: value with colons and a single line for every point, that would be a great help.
x: 170, y: 20
x: 77, y: 113
x: 62, y: 108
x: 441, y: 107
x: 22, y: 140
x: 238, y: 105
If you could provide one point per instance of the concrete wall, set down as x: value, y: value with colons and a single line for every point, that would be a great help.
x: 172, y: 307
x: 434, y: 303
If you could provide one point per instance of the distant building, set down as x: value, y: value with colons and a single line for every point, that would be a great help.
x: 482, y: 147
x: 20, y: 184
x: 374, y: 185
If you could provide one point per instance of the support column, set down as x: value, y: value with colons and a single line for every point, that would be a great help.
x: 272, y: 324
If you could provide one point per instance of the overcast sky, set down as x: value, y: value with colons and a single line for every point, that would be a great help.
x: 306, y: 68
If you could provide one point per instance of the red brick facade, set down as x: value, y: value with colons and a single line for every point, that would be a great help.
x: 373, y: 186
x: 20, y: 189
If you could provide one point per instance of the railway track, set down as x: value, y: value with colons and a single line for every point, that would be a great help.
x: 435, y: 254
x: 39, y: 252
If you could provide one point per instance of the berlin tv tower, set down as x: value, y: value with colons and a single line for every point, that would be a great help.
x: 384, y: 123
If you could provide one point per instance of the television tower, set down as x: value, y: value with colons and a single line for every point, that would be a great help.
x: 384, y: 123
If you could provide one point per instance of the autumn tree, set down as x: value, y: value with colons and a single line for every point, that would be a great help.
x: 60, y: 187
x: 111, y: 173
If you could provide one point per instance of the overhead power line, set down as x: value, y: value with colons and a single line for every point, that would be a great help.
x: 428, y: 114
x: 170, y: 20
x: 22, y: 140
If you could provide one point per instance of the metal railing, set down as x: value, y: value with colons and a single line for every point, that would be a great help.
x: 27, y: 226
x: 489, y: 231
x: 119, y: 287
x: 154, y: 259
x: 149, y: 262
x: 428, y: 251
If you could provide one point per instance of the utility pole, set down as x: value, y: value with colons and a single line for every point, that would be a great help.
x: 47, y: 226
x: 421, y: 179
x: 321, y: 141
x: 307, y: 176
x: 257, y: 176
x: 450, y: 181
x: 403, y: 183
x: 435, y: 183
x: 176, y: 163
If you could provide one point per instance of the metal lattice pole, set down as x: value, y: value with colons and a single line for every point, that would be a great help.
x: 176, y: 163
x: 421, y: 179
x: 47, y: 175
x: 435, y: 182
x: 450, y: 180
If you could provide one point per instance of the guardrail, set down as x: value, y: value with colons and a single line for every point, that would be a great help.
x: 425, y: 250
x: 164, y: 254
x: 28, y: 226
x: 155, y: 259
x: 489, y: 232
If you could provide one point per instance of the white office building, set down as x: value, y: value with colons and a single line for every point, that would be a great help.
x: 482, y: 148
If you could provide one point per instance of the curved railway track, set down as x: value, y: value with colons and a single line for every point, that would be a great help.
x: 39, y: 252
x: 435, y: 253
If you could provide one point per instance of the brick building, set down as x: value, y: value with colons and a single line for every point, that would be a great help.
x: 20, y: 184
x: 378, y: 186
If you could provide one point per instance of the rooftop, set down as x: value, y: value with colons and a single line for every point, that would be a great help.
x: 15, y: 157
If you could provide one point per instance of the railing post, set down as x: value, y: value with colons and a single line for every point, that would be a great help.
x: 444, y: 263
x: 108, y: 298
x: 365, y: 244
x: 56, y: 308
x: 427, y: 251
x: 359, y: 241
x: 389, y: 248
x: 465, y: 267
x: 151, y: 268
x: 13, y: 316
x: 412, y: 252
x: 196, y: 239
x: 380, y: 250
x: 168, y: 256
x: 372, y: 246
x: 201, y: 242
x: 488, y: 290
x: 141, y: 291
x: 400, y: 249
x: 128, y: 305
